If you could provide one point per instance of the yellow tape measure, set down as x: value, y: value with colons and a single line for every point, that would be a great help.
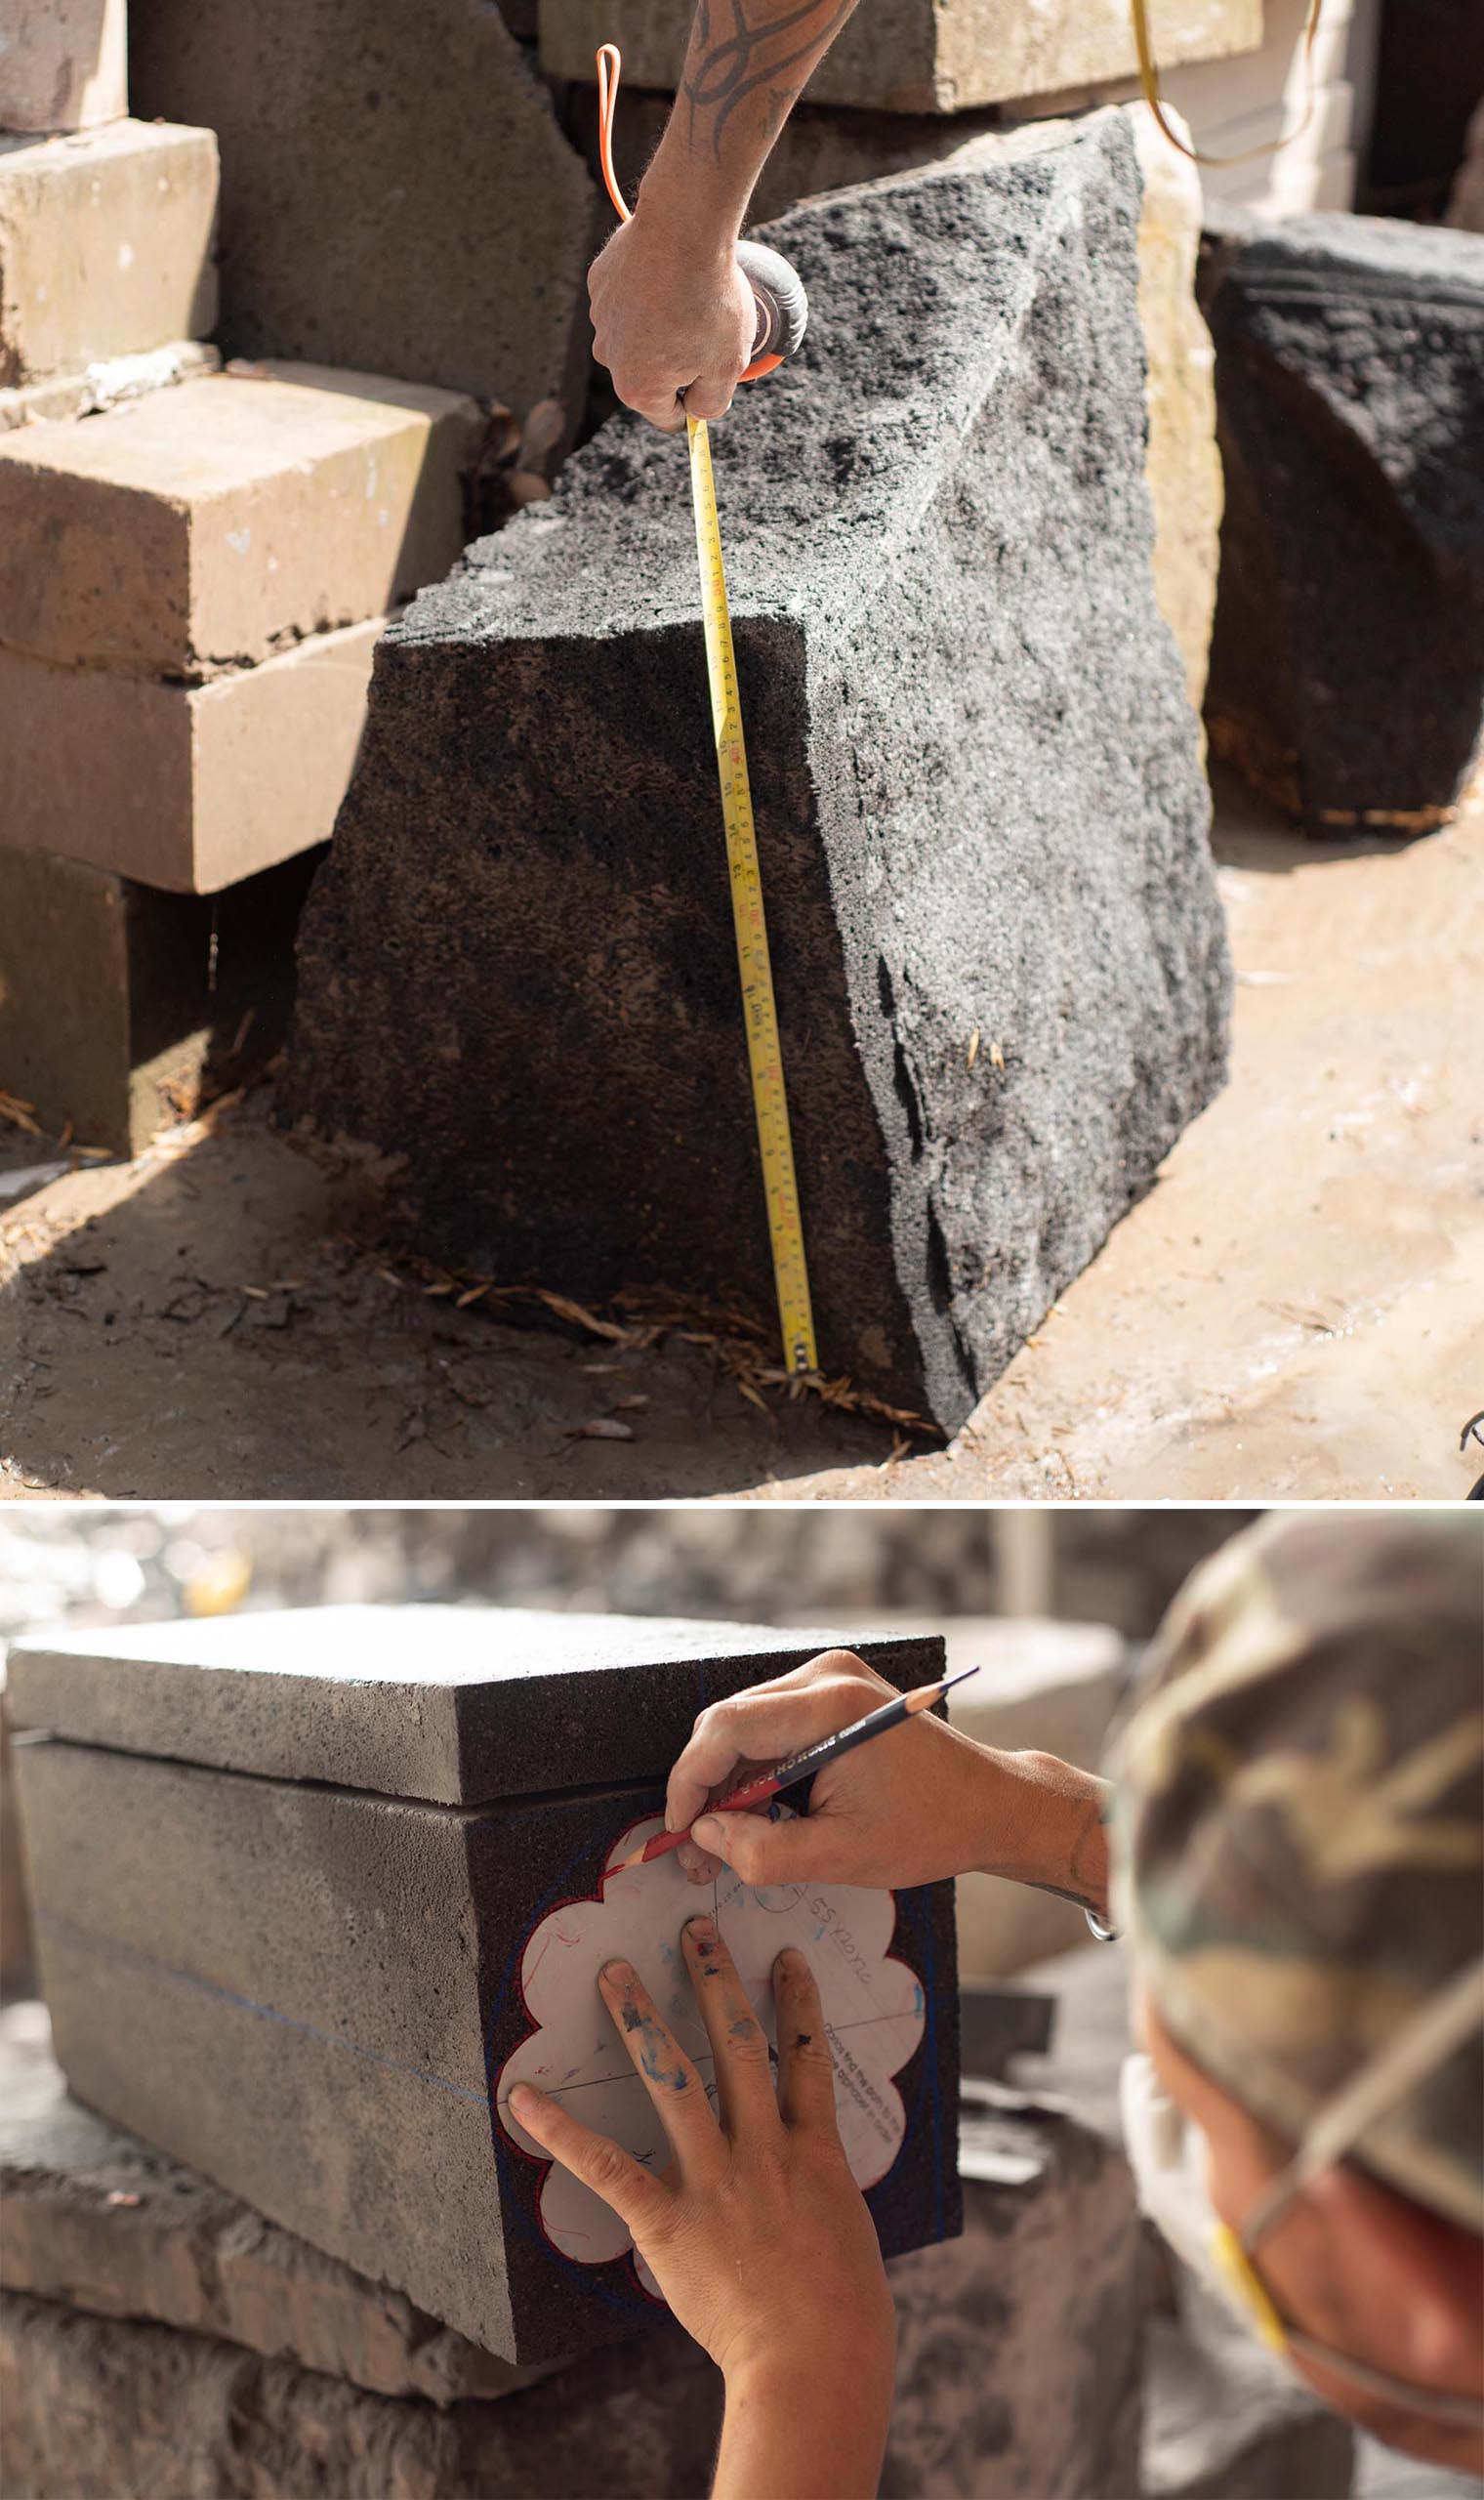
x: 764, y: 1049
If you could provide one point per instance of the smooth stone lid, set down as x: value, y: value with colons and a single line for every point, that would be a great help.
x: 453, y: 1703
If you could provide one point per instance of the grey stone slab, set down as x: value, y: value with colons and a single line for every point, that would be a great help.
x: 1020, y: 2345
x: 94, y: 2409
x: 309, y: 1993
x: 395, y: 192
x: 1347, y: 659
x: 121, y: 1007
x: 1000, y: 963
x: 99, y: 2221
x: 1018, y: 2374
x: 456, y: 1704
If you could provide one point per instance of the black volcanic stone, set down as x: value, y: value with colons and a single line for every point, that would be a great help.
x: 1000, y: 962
x: 1347, y: 658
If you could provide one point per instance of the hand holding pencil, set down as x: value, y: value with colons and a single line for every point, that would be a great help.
x: 919, y: 1802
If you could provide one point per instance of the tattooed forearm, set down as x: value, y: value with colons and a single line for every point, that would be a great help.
x: 741, y: 47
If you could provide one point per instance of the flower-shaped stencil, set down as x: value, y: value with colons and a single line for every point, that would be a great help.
x: 873, y: 2013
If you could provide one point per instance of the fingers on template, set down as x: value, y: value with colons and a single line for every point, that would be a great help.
x: 873, y: 2006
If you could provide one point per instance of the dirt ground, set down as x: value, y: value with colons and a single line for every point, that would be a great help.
x: 1297, y: 1310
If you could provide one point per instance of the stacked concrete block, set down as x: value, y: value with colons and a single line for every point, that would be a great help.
x: 373, y: 214
x: 1347, y: 660
x: 915, y: 56
x: 982, y: 825
x: 191, y: 586
x: 284, y: 1871
x: 157, y: 2337
x: 106, y: 240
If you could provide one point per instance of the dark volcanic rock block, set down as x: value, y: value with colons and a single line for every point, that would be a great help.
x: 999, y: 958
x: 311, y: 1990
x: 1347, y: 660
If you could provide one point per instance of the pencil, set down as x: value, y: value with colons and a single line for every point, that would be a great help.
x: 754, y: 1792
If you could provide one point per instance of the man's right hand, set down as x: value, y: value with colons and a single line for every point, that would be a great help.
x: 672, y: 311
x: 917, y: 1803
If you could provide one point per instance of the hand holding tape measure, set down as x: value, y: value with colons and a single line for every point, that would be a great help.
x: 782, y: 312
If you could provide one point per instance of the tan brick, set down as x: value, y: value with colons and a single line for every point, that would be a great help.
x: 194, y: 530
x: 62, y: 64
x: 105, y: 245
x: 921, y: 56
x: 189, y: 787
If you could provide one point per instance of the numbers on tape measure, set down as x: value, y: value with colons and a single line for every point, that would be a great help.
x: 765, y: 1051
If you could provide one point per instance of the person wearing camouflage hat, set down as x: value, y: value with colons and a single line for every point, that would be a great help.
x: 1293, y: 1847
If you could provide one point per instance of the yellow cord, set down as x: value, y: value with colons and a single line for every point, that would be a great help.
x: 1149, y: 80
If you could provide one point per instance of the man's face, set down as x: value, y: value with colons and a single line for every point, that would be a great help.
x: 1351, y: 2263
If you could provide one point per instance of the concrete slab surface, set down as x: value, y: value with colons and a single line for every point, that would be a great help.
x: 1294, y: 1311
x: 455, y: 1704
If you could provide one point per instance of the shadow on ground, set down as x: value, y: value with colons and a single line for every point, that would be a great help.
x: 195, y: 1323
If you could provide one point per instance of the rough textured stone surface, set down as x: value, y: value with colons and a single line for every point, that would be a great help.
x: 105, y: 245
x: 96, y: 2220
x: 306, y: 1992
x: 1347, y: 662
x: 820, y: 150
x: 455, y: 1705
x: 1018, y: 2373
x: 189, y: 787
x: 96, y: 2408
x: 190, y: 532
x: 999, y: 958
x: 122, y: 1008
x: 918, y: 56
x: 1020, y: 2344
x: 63, y: 63
x: 374, y: 214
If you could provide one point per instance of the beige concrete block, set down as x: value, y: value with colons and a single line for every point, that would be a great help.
x: 1181, y: 462
x: 189, y: 787
x: 921, y: 56
x: 63, y: 63
x: 191, y: 533
x: 105, y: 245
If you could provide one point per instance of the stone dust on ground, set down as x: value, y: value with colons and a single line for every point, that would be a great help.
x: 1295, y: 1311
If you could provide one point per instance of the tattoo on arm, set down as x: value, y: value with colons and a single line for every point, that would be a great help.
x: 722, y: 69
x: 1087, y: 1857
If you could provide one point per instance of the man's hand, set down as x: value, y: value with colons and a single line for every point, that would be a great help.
x: 756, y: 2233
x: 672, y: 312
x: 917, y: 1803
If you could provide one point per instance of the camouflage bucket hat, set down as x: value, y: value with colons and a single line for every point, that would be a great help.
x: 1299, y: 1825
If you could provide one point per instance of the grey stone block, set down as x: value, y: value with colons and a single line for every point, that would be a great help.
x: 1347, y: 660
x: 308, y: 1992
x: 457, y: 1705
x: 1001, y: 969
x: 94, y: 2409
x: 122, y: 1007
x: 395, y: 192
x: 1020, y: 2345
x: 96, y: 2220
x: 1018, y: 2374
